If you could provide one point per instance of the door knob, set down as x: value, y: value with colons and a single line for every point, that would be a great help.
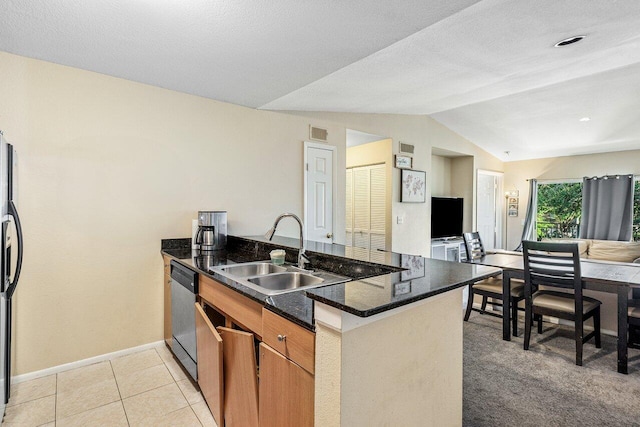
x: 329, y: 235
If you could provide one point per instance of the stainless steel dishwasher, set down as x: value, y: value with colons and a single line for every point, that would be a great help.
x: 184, y: 288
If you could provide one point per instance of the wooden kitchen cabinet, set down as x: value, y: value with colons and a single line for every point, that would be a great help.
x: 240, y: 379
x: 167, y: 300
x: 209, y: 352
x: 291, y: 340
x: 283, y: 392
x: 286, y: 391
x: 227, y: 373
x: 242, y: 310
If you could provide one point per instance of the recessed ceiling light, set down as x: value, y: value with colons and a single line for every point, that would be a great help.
x: 570, y: 40
x: 585, y: 119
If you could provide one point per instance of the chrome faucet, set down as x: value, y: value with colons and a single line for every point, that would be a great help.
x: 302, y: 258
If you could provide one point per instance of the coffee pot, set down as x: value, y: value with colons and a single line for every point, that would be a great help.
x: 212, y: 230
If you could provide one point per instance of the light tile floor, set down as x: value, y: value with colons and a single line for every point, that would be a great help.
x: 148, y: 388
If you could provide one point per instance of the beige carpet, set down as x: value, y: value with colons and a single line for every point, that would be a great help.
x: 507, y: 386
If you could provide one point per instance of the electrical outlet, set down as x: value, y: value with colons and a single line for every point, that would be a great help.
x: 400, y: 219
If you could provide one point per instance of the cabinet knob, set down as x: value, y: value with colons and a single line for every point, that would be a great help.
x: 282, y: 338
x: 329, y: 235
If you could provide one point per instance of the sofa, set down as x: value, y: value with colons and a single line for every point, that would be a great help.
x: 605, y: 250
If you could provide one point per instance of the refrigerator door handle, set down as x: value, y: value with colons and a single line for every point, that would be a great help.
x: 14, y: 213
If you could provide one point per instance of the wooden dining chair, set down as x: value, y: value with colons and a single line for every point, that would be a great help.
x: 557, y: 265
x: 491, y: 287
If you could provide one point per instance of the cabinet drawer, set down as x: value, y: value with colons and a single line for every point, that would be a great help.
x: 291, y: 340
x: 241, y: 309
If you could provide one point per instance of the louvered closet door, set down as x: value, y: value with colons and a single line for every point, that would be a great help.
x: 378, y: 217
x: 366, y: 207
x: 361, y: 207
x: 349, y: 208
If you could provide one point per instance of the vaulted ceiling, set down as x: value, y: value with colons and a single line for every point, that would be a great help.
x: 486, y: 69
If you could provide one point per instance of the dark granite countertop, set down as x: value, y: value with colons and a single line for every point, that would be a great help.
x: 382, y: 280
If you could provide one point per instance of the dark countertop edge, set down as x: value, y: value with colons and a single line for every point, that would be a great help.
x: 397, y: 304
x: 238, y: 287
x: 263, y: 298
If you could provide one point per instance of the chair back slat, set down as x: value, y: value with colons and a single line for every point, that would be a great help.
x: 553, y: 264
x: 473, y: 245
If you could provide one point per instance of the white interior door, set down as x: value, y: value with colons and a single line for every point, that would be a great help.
x: 489, y: 208
x: 318, y: 216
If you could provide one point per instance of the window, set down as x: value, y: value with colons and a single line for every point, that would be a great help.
x: 636, y: 210
x: 560, y: 206
x: 559, y: 210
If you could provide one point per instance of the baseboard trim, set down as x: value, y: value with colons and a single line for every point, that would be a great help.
x: 84, y: 362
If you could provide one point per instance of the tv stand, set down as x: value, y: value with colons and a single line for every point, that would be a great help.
x: 449, y: 249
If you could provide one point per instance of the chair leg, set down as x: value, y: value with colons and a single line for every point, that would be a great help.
x: 596, y: 327
x: 469, y: 304
x: 484, y: 304
x: 514, y: 316
x: 539, y: 318
x: 528, y: 320
x: 579, y: 335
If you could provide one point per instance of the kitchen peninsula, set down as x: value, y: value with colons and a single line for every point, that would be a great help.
x: 384, y: 348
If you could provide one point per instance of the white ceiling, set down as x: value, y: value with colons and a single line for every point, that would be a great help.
x: 486, y: 69
x: 355, y: 138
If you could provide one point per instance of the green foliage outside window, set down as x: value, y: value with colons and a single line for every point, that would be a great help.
x: 636, y: 211
x: 559, y: 207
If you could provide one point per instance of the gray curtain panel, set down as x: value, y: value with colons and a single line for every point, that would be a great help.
x: 529, y: 230
x: 607, y: 208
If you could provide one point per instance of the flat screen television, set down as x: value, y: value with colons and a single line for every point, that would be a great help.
x: 446, y: 217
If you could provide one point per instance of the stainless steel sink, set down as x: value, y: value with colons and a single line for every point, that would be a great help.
x: 270, y: 279
x: 285, y: 281
x: 253, y: 269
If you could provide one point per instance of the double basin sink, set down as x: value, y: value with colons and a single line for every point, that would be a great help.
x: 271, y: 279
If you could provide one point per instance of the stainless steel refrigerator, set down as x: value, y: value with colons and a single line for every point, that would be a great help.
x: 11, y: 247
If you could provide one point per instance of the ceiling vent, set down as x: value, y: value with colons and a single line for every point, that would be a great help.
x: 406, y: 148
x: 318, y: 134
x: 570, y: 40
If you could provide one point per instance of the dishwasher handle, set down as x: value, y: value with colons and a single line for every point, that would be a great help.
x: 184, y: 276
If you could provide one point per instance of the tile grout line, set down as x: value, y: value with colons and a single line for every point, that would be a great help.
x: 189, y: 405
x: 119, y: 394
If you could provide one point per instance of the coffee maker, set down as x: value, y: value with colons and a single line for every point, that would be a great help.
x: 212, y: 230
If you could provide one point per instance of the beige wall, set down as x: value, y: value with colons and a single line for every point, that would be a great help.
x: 463, y: 185
x: 440, y: 176
x: 108, y: 167
x: 374, y: 153
x: 414, y: 235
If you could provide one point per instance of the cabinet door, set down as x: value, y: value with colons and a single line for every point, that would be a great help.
x: 286, y: 391
x: 240, y: 379
x: 210, y: 364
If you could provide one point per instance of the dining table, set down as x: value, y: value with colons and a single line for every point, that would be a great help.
x: 605, y: 276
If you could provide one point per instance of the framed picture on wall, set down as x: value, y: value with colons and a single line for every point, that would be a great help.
x: 414, y: 185
x: 404, y: 162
